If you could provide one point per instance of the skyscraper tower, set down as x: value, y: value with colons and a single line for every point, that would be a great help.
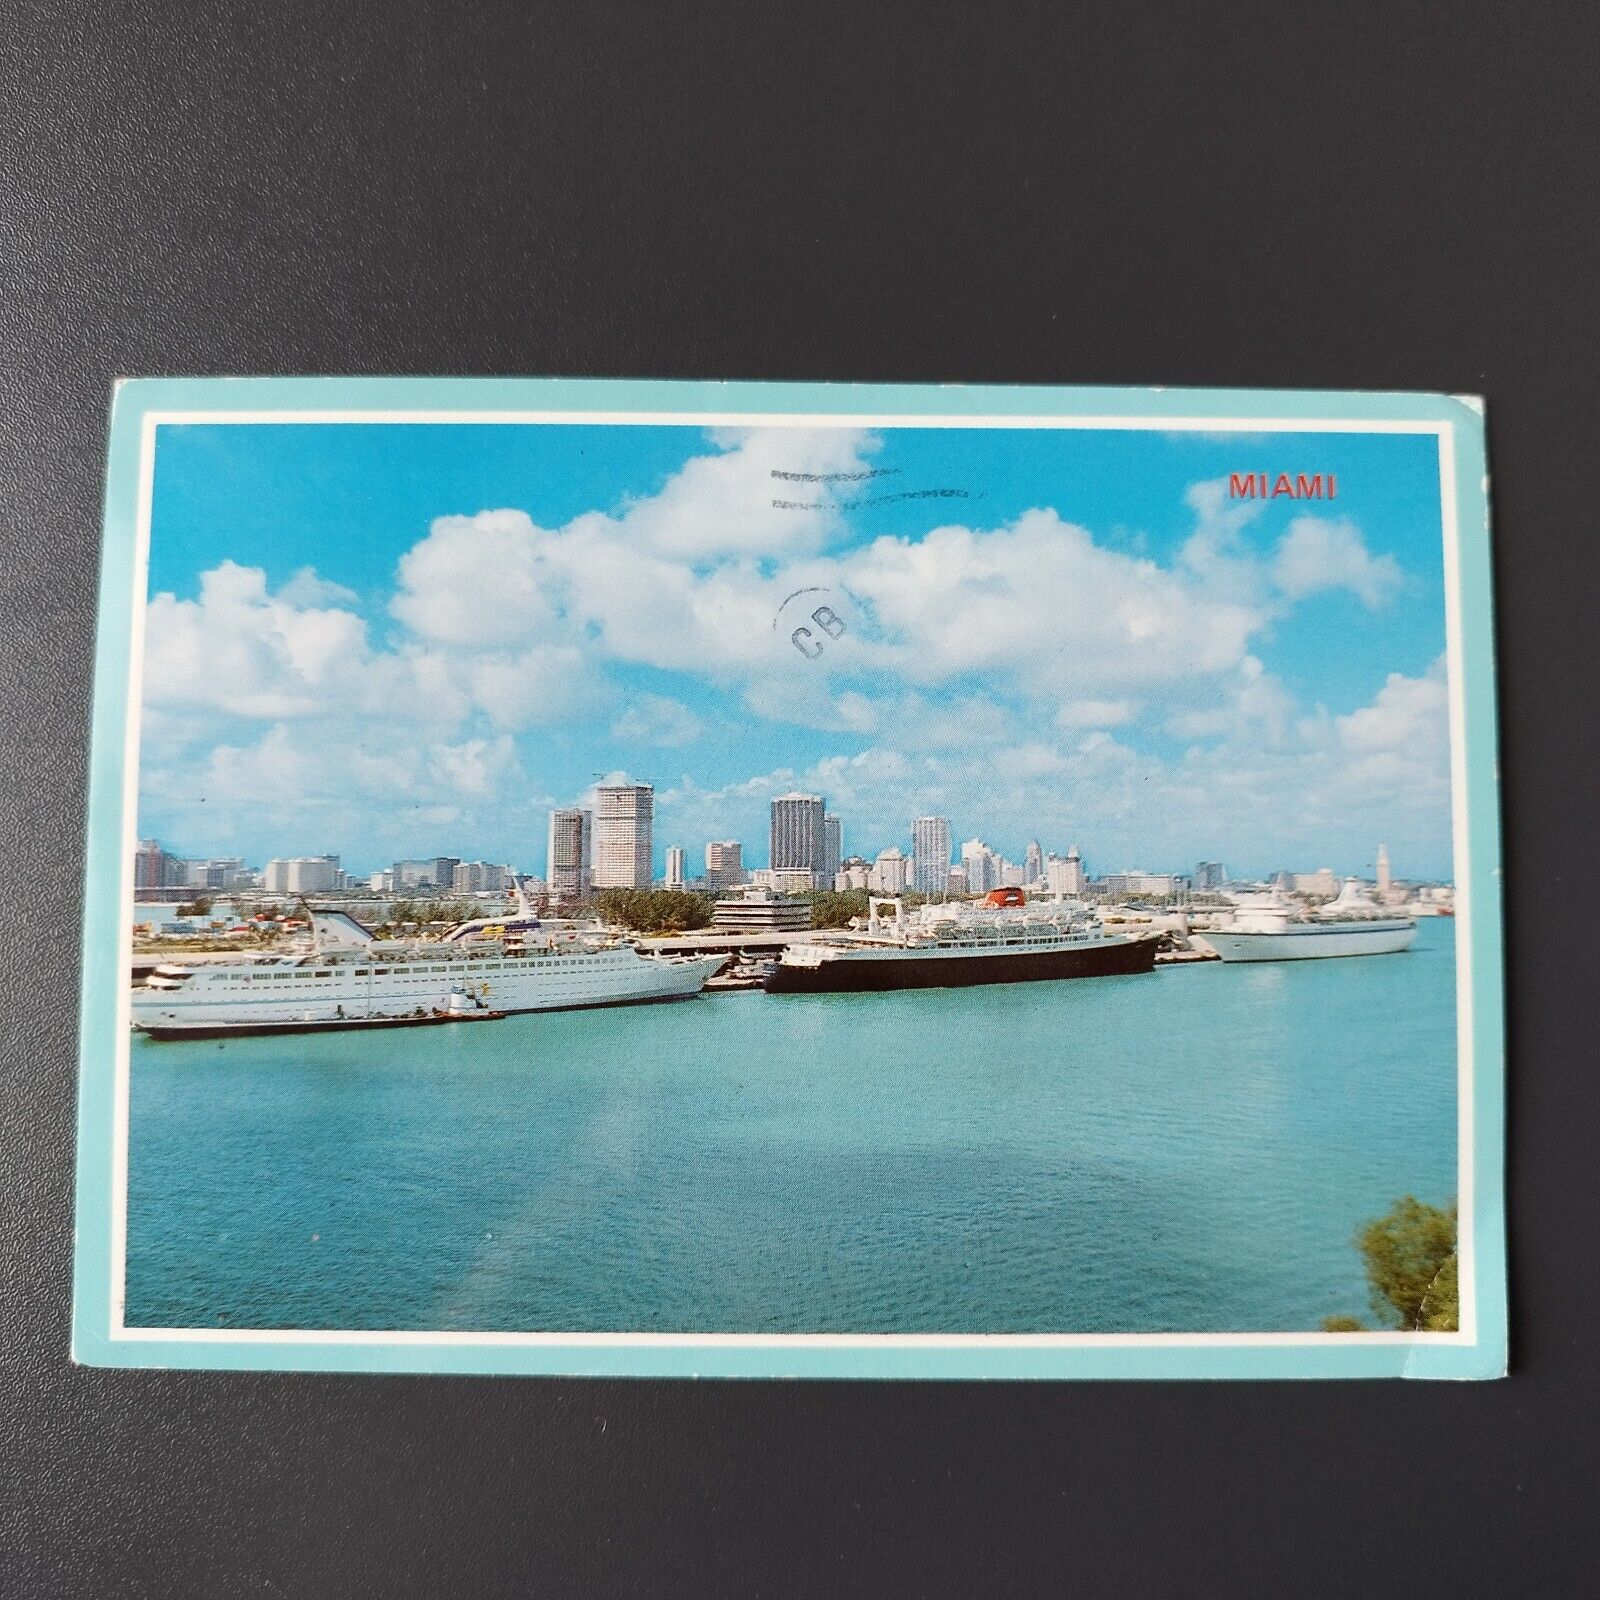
x: 724, y: 864
x: 1383, y: 870
x: 568, y: 872
x: 624, y: 846
x: 930, y: 854
x: 832, y: 849
x: 797, y: 834
x: 675, y: 866
x: 1033, y: 863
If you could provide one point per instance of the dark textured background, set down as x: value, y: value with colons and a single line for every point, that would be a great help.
x: 1391, y: 197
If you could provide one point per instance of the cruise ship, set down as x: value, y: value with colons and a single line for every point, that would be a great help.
x: 1272, y: 929
x: 946, y: 946
x: 348, y: 976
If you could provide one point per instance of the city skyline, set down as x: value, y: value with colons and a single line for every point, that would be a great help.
x: 1091, y: 642
x: 569, y: 832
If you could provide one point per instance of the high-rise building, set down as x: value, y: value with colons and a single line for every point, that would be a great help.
x: 930, y: 854
x: 1210, y: 875
x: 624, y: 845
x: 481, y: 877
x: 1153, y: 885
x: 568, y: 867
x: 302, y: 875
x: 724, y: 864
x: 219, y: 872
x: 796, y: 843
x: 890, y: 872
x: 853, y: 874
x: 425, y: 872
x: 1383, y: 870
x: 1322, y: 882
x: 832, y: 850
x: 1064, y: 875
x: 982, y: 866
x: 957, y: 883
x: 1033, y: 863
x: 153, y: 868
x: 675, y: 866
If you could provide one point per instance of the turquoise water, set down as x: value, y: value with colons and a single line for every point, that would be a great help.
x: 1192, y: 1149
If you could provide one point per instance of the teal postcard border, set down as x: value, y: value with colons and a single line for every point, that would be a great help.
x: 1148, y: 1356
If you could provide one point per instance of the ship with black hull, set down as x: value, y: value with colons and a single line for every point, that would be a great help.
x: 953, y: 946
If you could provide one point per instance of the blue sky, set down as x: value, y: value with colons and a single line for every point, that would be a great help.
x: 400, y: 639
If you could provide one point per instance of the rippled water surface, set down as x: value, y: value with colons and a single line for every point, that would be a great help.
x: 1191, y: 1149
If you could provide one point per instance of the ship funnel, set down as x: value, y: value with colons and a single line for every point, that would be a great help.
x: 337, y: 930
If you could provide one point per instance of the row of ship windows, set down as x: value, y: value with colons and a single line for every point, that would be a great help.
x: 409, y: 974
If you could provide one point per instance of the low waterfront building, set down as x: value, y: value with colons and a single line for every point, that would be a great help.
x: 758, y: 907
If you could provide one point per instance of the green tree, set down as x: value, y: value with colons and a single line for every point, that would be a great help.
x: 833, y: 908
x: 1412, y: 1269
x: 654, y: 910
x: 200, y: 906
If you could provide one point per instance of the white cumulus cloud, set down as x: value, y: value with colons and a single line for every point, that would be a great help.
x: 1316, y: 554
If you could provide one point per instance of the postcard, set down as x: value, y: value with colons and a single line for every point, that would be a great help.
x: 792, y: 880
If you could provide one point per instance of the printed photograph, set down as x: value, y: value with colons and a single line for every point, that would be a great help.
x: 792, y: 877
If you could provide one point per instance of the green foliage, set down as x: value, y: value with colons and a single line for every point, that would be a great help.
x: 1410, y: 1255
x: 200, y: 906
x: 451, y: 910
x: 654, y: 910
x: 833, y: 908
x: 1411, y: 1266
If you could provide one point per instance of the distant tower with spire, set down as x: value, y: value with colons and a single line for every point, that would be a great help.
x: 1383, y: 871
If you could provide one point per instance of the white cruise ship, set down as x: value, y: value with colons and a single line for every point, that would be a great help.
x: 350, y: 978
x: 1272, y: 929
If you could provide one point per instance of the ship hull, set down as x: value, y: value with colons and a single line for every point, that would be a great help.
x: 172, y: 1031
x: 1311, y: 942
x: 874, y: 972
